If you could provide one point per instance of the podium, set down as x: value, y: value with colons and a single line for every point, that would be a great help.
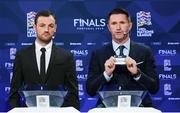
x: 125, y: 110
x: 110, y: 98
x: 35, y: 96
x: 55, y: 96
x: 44, y: 110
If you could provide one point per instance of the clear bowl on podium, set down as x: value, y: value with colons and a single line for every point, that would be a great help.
x: 110, y: 98
x: 56, y: 95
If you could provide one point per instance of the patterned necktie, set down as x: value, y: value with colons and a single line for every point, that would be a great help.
x: 42, y: 63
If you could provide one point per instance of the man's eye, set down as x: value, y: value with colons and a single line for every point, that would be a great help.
x: 52, y: 26
x: 42, y: 25
x: 113, y: 23
x: 122, y: 22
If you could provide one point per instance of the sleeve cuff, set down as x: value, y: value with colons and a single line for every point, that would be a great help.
x: 108, y: 78
x: 138, y: 76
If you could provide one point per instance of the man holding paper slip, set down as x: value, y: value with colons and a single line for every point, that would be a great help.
x: 123, y: 63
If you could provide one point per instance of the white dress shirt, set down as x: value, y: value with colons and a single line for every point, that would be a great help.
x: 48, y: 48
x: 125, y: 50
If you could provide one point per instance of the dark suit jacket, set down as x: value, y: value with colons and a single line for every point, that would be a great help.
x: 61, y: 71
x: 121, y: 76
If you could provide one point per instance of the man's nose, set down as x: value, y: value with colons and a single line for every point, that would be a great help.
x: 46, y: 29
x: 118, y: 26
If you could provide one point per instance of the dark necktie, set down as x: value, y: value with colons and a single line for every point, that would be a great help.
x: 121, y: 48
x: 43, y: 63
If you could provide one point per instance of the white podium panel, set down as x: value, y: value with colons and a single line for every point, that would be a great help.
x: 44, y: 110
x: 125, y: 110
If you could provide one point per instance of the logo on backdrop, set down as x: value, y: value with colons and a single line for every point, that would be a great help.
x: 143, y: 24
x: 12, y: 53
x: 79, y: 65
x: 75, y: 44
x: 8, y: 65
x: 167, y: 52
x: 156, y: 43
x: 81, y: 89
x: 89, y: 24
x: 167, y: 89
x: 30, y: 22
x: 10, y: 44
x: 7, y: 89
x: 91, y: 43
x: 10, y: 76
x: 167, y: 65
x: 59, y: 43
x: 82, y: 77
x: 167, y: 76
x: 80, y: 52
x: 173, y: 43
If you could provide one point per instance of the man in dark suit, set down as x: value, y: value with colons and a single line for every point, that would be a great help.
x: 138, y: 71
x: 55, y: 68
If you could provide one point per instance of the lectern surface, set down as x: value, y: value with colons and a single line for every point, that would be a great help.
x: 44, y: 110
x: 125, y: 110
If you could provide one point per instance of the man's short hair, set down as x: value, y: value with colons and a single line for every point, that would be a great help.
x: 44, y: 13
x: 119, y: 11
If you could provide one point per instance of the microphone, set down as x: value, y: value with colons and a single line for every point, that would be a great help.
x: 125, y: 33
x: 122, y: 35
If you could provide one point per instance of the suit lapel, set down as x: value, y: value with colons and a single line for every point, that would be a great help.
x: 34, y: 63
x: 110, y: 51
x: 53, y: 54
x: 132, y: 52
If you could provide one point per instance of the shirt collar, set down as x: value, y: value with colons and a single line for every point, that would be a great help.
x: 48, y: 46
x: 116, y: 45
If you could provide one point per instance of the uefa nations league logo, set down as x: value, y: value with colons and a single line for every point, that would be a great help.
x: 30, y: 22
x: 143, y: 23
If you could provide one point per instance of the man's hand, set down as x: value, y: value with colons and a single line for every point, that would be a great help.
x: 110, y: 66
x: 131, y: 65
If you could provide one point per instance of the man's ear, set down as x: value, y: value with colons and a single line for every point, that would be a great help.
x: 108, y: 27
x: 34, y: 26
x: 55, y: 28
x: 130, y: 26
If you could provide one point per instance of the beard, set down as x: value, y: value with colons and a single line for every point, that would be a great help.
x: 45, y: 39
x: 119, y: 36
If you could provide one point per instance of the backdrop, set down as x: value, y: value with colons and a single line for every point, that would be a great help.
x: 82, y: 28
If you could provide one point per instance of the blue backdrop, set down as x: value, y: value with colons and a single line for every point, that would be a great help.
x: 82, y: 28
